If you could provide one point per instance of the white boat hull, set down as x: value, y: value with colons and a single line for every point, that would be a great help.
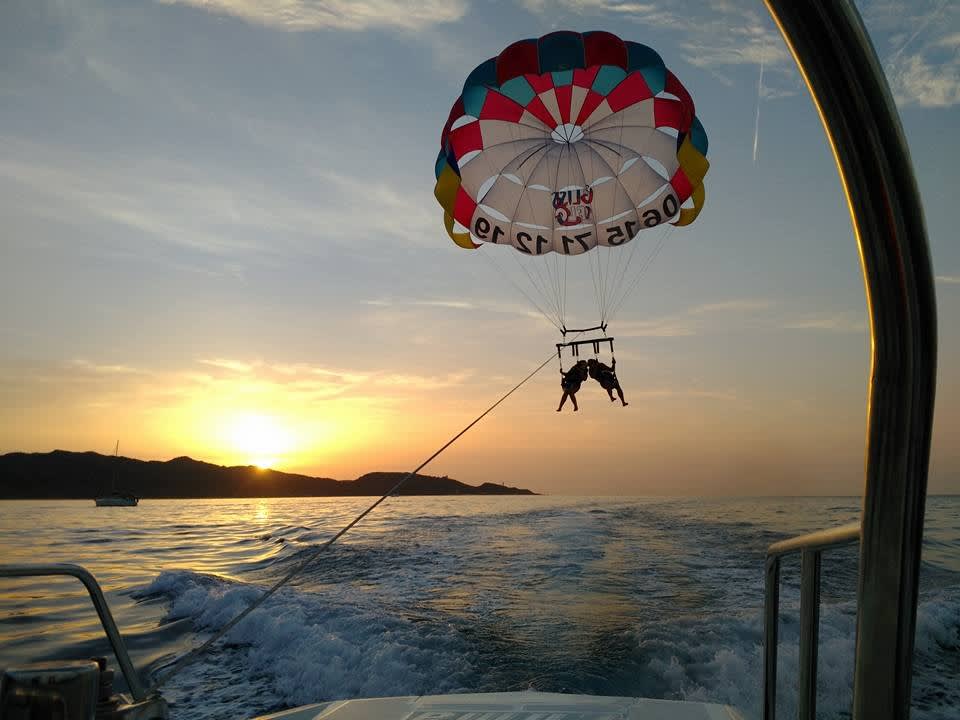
x: 116, y: 502
x: 528, y: 705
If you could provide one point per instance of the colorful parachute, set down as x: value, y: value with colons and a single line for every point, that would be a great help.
x: 567, y: 142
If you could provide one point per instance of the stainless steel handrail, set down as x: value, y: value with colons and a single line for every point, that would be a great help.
x: 820, y: 540
x: 846, y: 81
x: 810, y: 548
x: 103, y: 611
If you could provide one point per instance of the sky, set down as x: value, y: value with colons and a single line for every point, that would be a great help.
x: 219, y: 239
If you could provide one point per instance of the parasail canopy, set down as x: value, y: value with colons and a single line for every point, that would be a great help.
x: 569, y: 142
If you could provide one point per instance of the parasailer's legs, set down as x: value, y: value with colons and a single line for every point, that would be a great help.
x: 573, y: 399
x: 620, y: 393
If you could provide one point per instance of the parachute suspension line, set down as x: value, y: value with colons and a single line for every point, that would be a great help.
x: 561, y: 294
x: 543, y: 286
x: 601, y: 281
x: 609, y: 286
x: 542, y: 271
x: 595, y: 277
x: 551, y: 273
x: 599, y: 287
x: 648, y: 261
x: 565, y: 265
x: 500, y: 272
x: 200, y: 650
x: 551, y: 269
x: 607, y: 282
x: 621, y: 271
x: 624, y: 269
x: 596, y: 274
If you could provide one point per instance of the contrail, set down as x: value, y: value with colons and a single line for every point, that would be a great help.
x: 923, y: 26
x: 756, y: 128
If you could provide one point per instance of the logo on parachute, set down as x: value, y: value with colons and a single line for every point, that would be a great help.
x: 573, y: 206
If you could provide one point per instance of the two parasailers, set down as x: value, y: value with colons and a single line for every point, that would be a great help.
x: 604, y: 374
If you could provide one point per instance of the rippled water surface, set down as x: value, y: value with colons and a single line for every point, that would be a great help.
x: 652, y: 597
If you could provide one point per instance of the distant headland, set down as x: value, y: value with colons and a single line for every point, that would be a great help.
x: 67, y: 475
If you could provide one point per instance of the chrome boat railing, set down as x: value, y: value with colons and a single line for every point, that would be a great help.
x: 846, y: 81
x: 103, y: 612
x: 810, y: 548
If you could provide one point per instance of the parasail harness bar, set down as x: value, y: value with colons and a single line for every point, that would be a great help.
x: 574, y: 346
x: 602, y: 327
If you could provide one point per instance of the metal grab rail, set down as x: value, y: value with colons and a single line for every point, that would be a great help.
x: 810, y: 547
x: 845, y: 78
x: 99, y: 603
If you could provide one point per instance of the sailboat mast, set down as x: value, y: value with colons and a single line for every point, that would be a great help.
x: 116, y: 459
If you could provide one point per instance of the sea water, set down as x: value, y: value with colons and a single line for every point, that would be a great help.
x: 611, y: 596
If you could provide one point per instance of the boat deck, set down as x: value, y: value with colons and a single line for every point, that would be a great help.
x: 527, y: 705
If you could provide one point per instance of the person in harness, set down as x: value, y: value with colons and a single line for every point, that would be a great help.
x: 571, y: 381
x: 607, y: 377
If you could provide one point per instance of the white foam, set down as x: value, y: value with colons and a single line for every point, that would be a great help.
x: 723, y: 660
x: 312, y: 648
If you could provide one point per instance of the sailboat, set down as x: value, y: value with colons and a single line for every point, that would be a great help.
x: 117, y: 498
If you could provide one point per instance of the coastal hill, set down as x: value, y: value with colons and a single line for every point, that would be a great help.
x: 71, y: 475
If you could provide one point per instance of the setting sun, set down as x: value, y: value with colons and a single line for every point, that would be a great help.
x: 260, y: 439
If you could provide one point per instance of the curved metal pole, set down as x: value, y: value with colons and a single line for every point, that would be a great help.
x: 833, y: 51
x: 103, y: 610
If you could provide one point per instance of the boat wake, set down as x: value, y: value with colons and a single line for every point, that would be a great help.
x: 304, y: 647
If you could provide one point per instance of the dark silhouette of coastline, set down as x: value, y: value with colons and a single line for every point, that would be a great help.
x: 67, y: 475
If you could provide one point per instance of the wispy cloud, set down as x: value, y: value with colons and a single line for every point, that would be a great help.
x: 673, y: 326
x: 843, y: 322
x: 754, y: 313
x: 922, y: 38
x: 714, y: 35
x: 450, y: 304
x: 736, y: 306
x: 234, y: 365
x: 104, y: 369
x: 920, y: 49
x: 307, y: 15
x: 949, y: 279
x: 697, y: 319
x: 220, y: 382
x: 206, y: 209
x: 327, y: 381
x: 917, y: 81
x: 486, y: 304
x: 923, y: 20
x: 951, y: 41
